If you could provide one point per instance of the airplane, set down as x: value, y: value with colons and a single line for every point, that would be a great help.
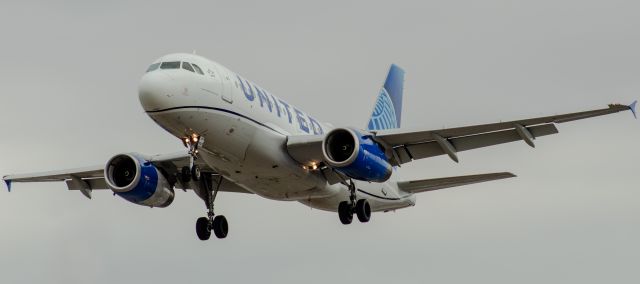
x: 238, y: 137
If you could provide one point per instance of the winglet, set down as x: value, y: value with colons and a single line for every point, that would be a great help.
x: 8, y: 182
x: 632, y: 107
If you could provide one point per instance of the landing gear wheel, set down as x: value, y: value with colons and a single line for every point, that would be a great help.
x: 363, y: 210
x: 345, y: 213
x: 202, y: 228
x: 220, y: 226
x: 195, y: 173
x: 185, y: 174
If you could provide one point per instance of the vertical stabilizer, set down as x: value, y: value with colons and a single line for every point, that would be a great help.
x: 387, y: 112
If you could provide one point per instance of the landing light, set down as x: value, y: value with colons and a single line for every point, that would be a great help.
x: 312, y: 166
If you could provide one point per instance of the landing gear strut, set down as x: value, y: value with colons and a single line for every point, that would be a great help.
x: 192, y: 143
x: 219, y: 224
x: 361, y: 207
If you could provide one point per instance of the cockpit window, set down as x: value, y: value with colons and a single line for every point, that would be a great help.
x: 187, y: 66
x: 197, y: 69
x: 153, y: 66
x: 170, y: 65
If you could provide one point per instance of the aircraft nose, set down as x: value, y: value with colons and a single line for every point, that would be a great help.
x: 156, y: 90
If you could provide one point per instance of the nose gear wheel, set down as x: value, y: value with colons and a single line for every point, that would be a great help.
x: 217, y: 224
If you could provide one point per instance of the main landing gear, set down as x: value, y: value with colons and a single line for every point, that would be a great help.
x: 217, y: 224
x: 361, y: 207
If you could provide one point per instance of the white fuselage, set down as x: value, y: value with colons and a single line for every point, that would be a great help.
x: 245, y: 130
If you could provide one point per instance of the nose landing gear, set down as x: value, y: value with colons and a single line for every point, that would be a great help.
x: 361, y: 207
x: 190, y: 173
x: 192, y: 142
x: 205, y: 189
x: 217, y: 224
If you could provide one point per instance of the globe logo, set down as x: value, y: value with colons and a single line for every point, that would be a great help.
x: 384, y: 114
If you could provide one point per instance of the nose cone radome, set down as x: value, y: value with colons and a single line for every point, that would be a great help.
x: 156, y: 91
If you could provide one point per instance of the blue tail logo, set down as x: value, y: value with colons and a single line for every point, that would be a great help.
x: 388, y: 109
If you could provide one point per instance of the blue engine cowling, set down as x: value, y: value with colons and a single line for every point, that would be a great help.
x: 137, y: 180
x: 356, y: 155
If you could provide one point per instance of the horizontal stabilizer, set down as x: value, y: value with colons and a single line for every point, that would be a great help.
x: 416, y: 186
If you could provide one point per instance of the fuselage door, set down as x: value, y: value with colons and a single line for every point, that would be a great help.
x: 226, y: 92
x: 228, y: 85
x: 214, y: 84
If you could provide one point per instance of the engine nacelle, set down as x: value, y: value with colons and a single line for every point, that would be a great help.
x: 137, y: 180
x: 356, y: 155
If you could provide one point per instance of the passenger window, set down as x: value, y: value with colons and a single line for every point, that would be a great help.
x: 153, y: 66
x: 170, y: 65
x: 197, y: 69
x: 187, y: 66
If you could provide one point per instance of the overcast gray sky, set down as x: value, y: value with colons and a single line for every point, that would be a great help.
x: 68, y: 86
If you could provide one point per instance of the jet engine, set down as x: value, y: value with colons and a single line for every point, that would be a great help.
x: 356, y: 155
x: 137, y: 180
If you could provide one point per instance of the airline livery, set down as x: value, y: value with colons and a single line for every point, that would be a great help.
x: 241, y: 138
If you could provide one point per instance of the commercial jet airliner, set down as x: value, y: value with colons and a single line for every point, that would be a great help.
x: 241, y: 138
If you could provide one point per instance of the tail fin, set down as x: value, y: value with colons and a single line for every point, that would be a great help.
x: 387, y: 112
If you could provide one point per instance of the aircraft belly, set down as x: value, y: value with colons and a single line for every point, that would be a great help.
x: 250, y: 155
x: 255, y: 158
x: 269, y: 171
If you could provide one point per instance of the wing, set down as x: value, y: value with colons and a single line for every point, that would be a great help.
x: 416, y: 186
x: 404, y: 146
x: 92, y: 178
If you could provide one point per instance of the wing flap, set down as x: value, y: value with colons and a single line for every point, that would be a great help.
x: 93, y: 183
x: 430, y: 149
x: 416, y: 186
